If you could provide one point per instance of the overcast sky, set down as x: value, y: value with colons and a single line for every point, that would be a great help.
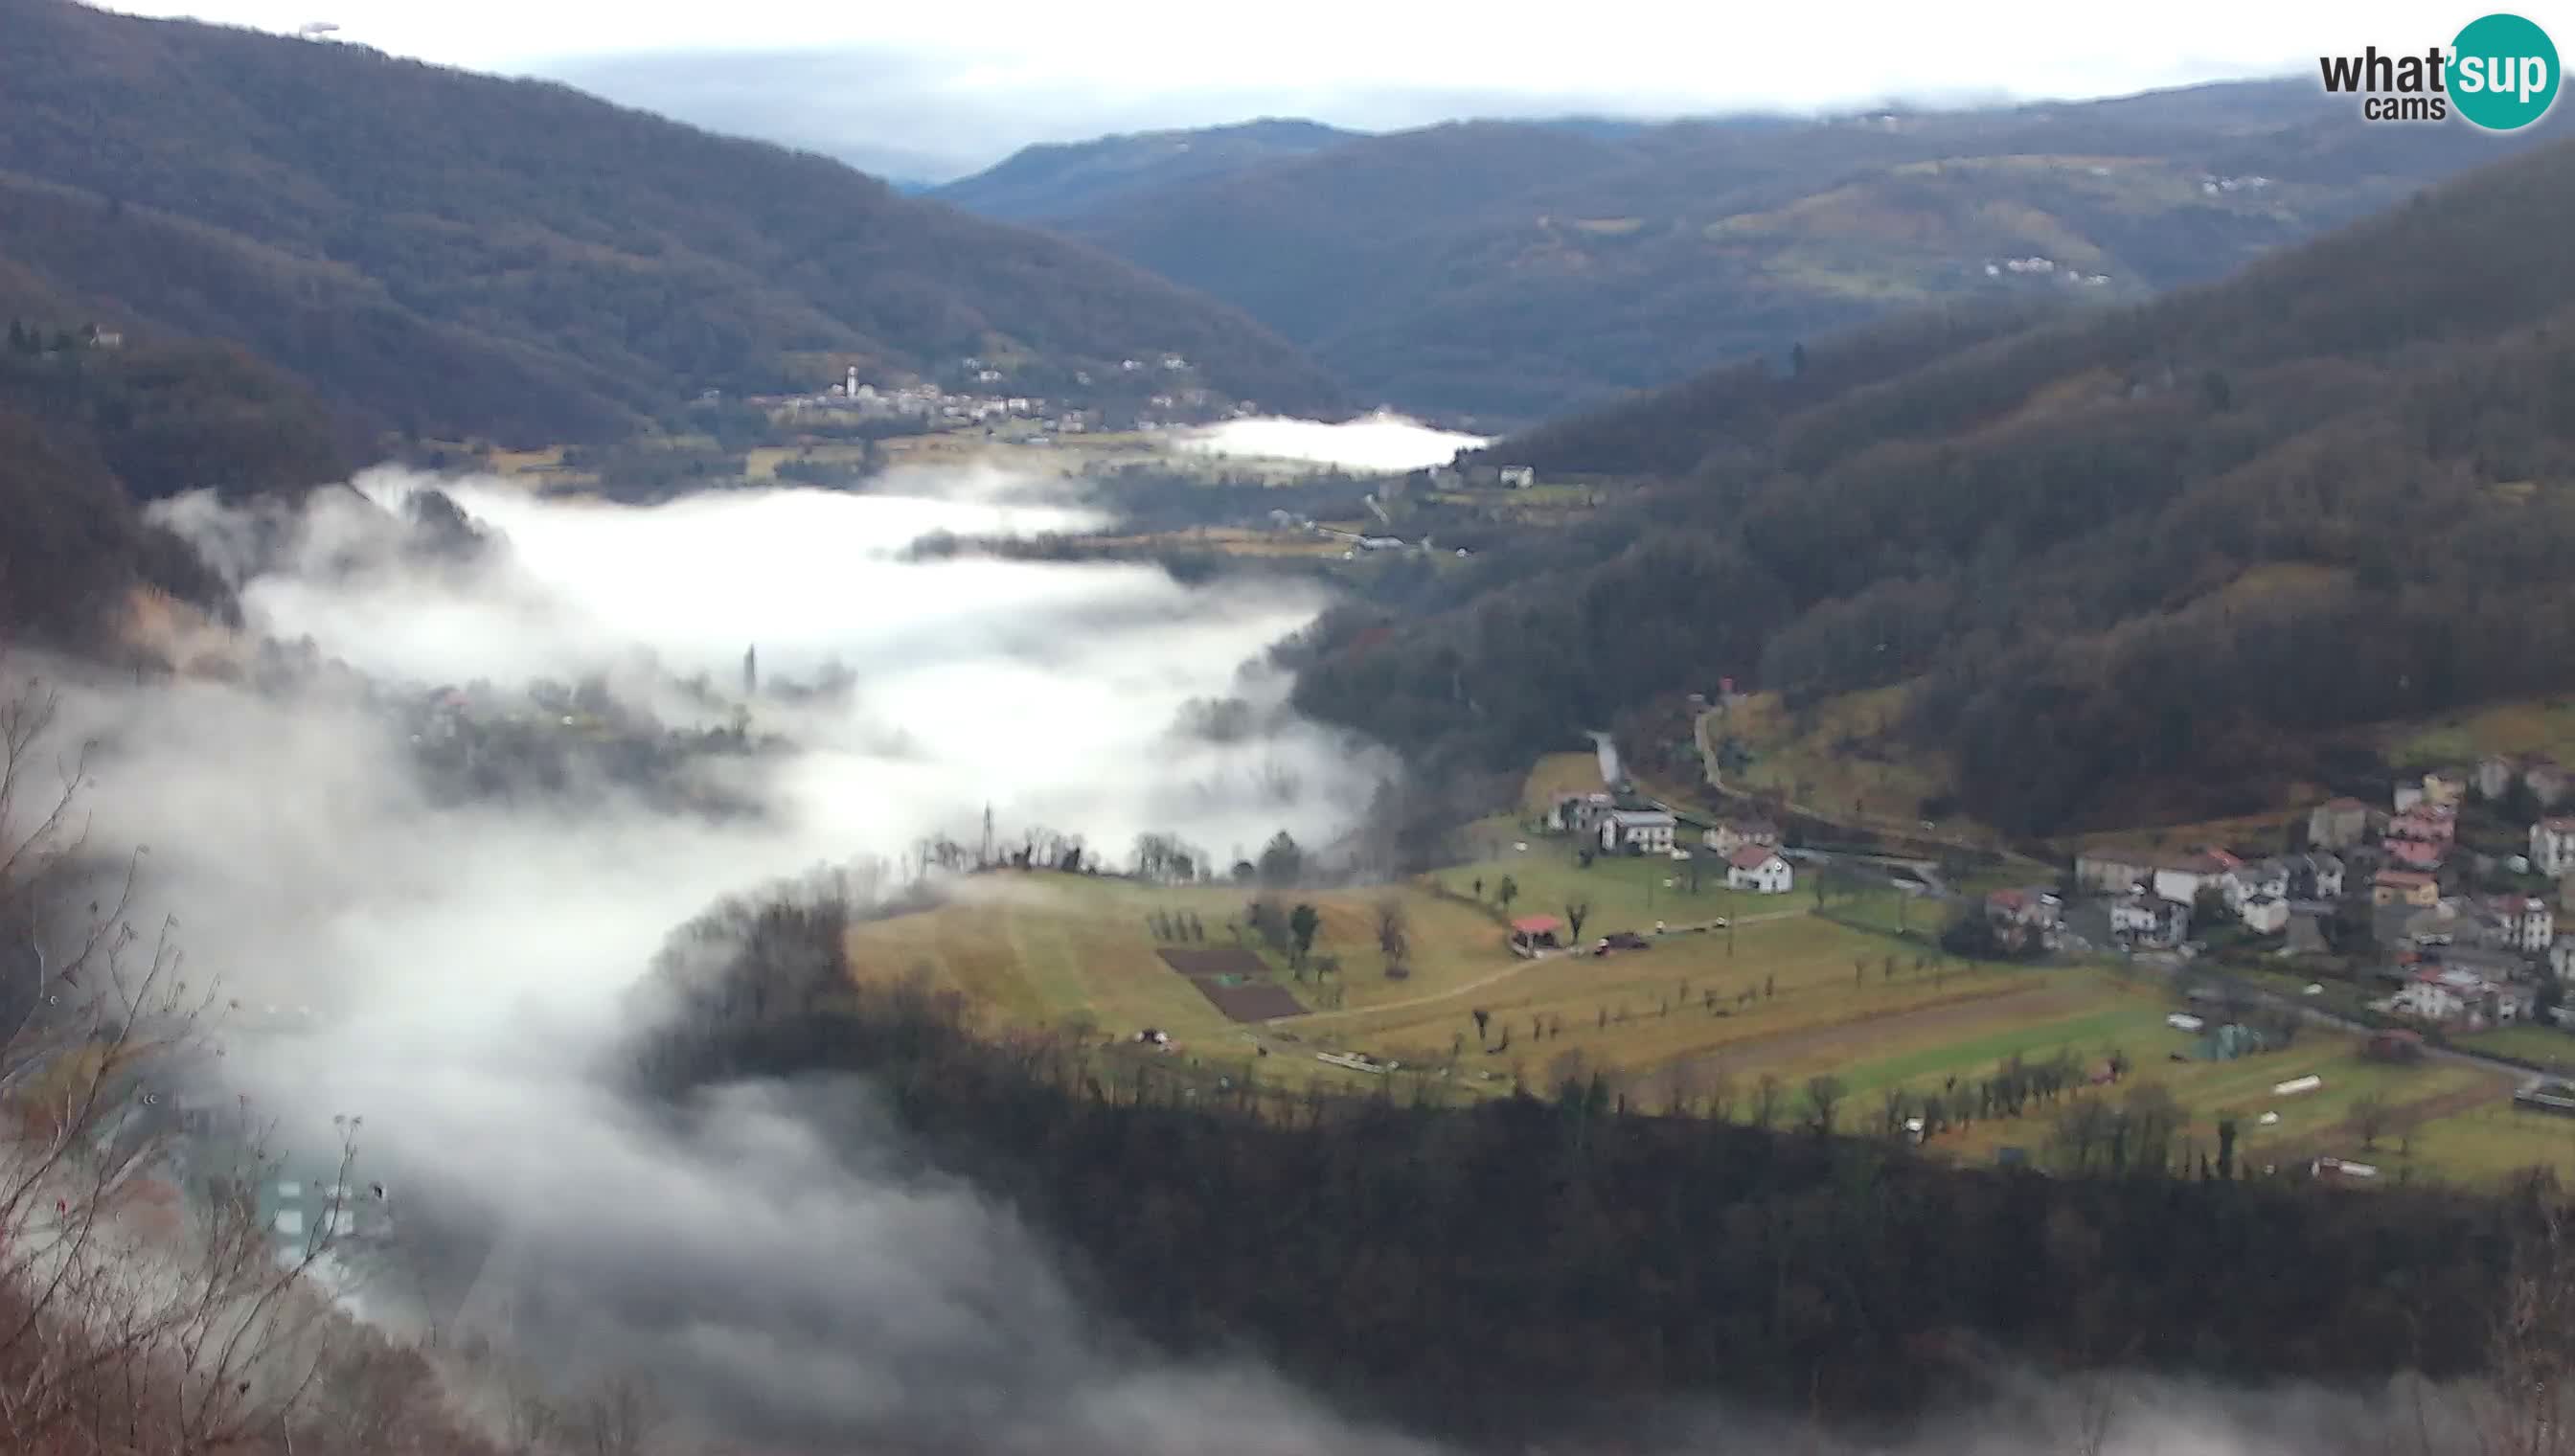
x: 932, y: 91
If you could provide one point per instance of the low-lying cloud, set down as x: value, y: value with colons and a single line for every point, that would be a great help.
x: 765, y: 1259
x: 469, y: 954
x: 1377, y: 442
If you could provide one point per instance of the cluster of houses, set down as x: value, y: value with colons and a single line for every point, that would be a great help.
x: 2455, y: 955
x: 1749, y: 848
x: 976, y: 401
x: 1454, y: 477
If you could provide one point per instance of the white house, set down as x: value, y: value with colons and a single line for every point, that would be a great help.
x: 2151, y: 919
x: 2552, y: 847
x: 2407, y: 796
x: 2462, y: 995
x: 1638, y: 831
x: 2525, y: 923
x: 1578, y: 814
x: 1728, y: 835
x: 2264, y: 915
x: 2561, y: 956
x: 2318, y: 875
x: 1519, y: 477
x: 2182, y: 880
x: 1759, y: 868
x: 2264, y: 879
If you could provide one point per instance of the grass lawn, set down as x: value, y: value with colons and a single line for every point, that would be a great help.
x: 2545, y: 1045
x: 2534, y: 725
x: 2486, y: 1145
x: 2131, y: 1020
x: 1786, y: 993
x: 1782, y: 990
x: 1052, y: 949
x: 1624, y: 893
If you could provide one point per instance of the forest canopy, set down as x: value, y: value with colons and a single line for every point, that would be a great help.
x: 2128, y: 563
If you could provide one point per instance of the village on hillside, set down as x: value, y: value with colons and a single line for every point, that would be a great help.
x: 2445, y: 898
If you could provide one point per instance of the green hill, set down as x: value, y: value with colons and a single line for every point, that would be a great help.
x: 457, y: 254
x: 1508, y: 271
x: 2134, y: 564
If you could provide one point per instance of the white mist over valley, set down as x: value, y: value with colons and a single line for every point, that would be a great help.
x: 1377, y: 442
x: 459, y: 972
x: 470, y: 960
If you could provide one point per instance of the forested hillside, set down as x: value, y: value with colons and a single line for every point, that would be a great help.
x: 455, y: 254
x: 1521, y: 1270
x: 86, y: 434
x: 1513, y: 271
x: 1059, y: 179
x: 2132, y: 565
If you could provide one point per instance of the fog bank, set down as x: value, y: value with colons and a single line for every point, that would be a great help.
x: 771, y: 1261
x: 1380, y: 441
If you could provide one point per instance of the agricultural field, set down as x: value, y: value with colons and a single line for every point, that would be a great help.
x: 1788, y: 990
x: 2336, y: 1118
x: 2540, y: 1045
x: 1778, y: 985
x: 761, y: 464
x: 1055, y: 949
x: 2488, y: 1144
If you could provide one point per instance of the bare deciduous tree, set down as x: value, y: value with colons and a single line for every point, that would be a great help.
x: 119, y: 1329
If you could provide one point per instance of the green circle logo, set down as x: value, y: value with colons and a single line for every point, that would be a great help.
x: 2503, y: 72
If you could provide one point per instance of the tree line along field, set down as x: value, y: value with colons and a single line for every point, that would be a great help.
x: 1789, y: 991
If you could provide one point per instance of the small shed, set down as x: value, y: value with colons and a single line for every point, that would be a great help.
x: 1533, y: 933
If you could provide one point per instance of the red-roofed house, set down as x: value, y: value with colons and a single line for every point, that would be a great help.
x: 1759, y: 868
x: 2414, y: 854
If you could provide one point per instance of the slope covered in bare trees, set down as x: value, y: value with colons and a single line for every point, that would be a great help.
x: 2132, y: 564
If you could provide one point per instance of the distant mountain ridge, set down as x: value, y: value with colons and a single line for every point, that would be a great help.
x: 1065, y: 179
x: 459, y: 253
x: 1509, y: 270
x: 2101, y: 566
